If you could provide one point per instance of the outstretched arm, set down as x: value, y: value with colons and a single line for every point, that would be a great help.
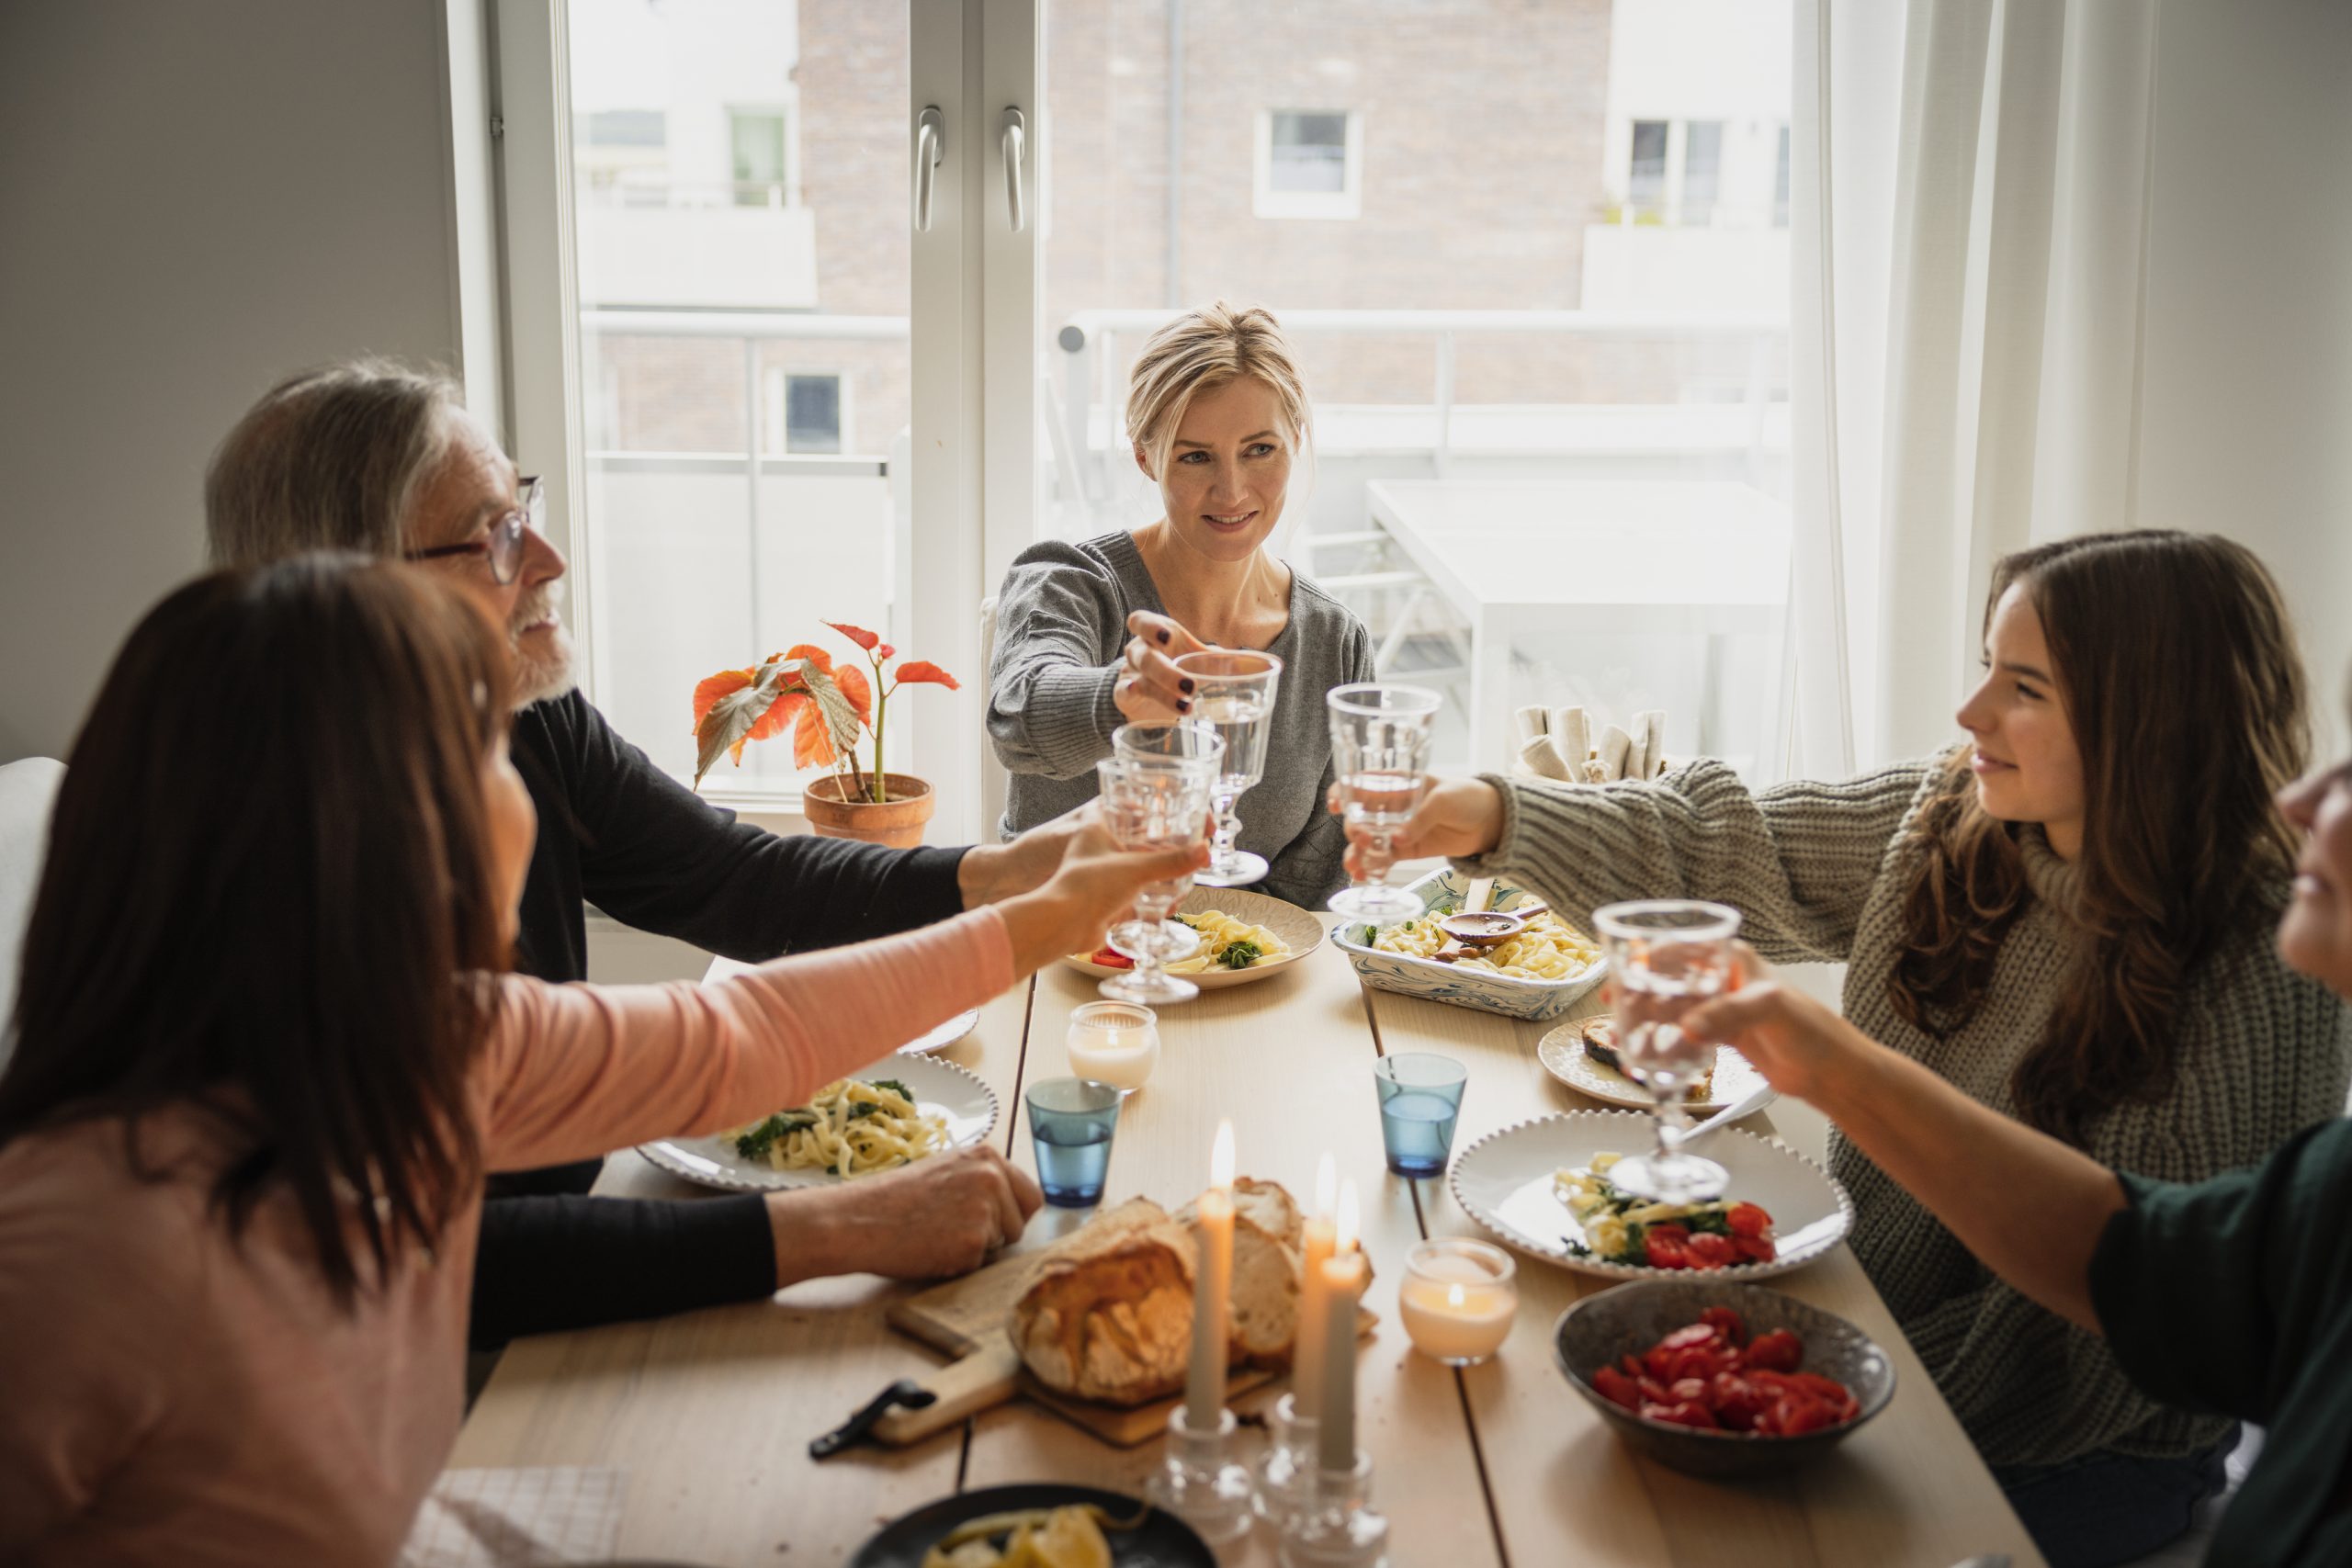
x: 2029, y: 1206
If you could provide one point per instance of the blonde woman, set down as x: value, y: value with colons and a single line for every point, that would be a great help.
x: 1089, y: 633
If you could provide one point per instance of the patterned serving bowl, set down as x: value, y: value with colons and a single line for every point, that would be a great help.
x: 1441, y: 893
x: 1600, y: 1329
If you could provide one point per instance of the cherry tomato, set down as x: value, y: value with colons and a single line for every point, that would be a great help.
x: 1747, y: 1220
x: 1736, y: 1402
x: 1110, y: 958
x: 1694, y: 1361
x: 1685, y: 1413
x: 1726, y: 1324
x: 1709, y: 1250
x: 1617, y: 1388
x: 1667, y: 1247
x: 1755, y: 1249
x: 1778, y: 1351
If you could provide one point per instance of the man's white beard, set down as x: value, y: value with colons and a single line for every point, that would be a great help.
x: 543, y: 671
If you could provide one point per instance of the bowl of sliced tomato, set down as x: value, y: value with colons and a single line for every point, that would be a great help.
x: 1721, y: 1380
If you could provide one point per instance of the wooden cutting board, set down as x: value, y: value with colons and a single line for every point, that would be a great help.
x: 965, y: 1319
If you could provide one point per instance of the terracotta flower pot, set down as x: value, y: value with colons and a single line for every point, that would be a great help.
x: 898, y: 822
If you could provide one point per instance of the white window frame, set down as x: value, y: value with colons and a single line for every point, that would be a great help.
x: 784, y: 110
x: 1346, y: 202
x: 974, y: 306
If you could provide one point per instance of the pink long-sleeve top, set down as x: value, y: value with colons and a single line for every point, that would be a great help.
x: 168, y: 1395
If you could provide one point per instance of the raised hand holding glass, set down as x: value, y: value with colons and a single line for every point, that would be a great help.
x: 1233, y: 693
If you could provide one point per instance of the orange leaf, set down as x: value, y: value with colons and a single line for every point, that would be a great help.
x: 858, y: 689
x: 858, y: 635
x: 710, y: 691
x: 779, y: 714
x: 924, y: 670
x: 811, y: 746
x: 812, y: 652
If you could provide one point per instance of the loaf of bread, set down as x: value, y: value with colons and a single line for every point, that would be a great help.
x: 1600, y: 1044
x: 1110, y: 1317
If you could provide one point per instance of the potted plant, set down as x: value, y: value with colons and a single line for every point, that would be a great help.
x: 827, y: 708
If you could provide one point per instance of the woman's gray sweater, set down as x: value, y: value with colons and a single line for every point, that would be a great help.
x: 1061, y: 634
x: 1819, y: 870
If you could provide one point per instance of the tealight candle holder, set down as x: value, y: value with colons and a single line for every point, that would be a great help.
x: 1335, y: 1527
x: 1199, y: 1485
x: 1286, y: 1474
x: 1113, y: 1043
x: 1458, y: 1298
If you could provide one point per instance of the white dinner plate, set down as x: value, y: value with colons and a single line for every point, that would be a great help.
x: 1300, y: 931
x: 1504, y: 1181
x: 1563, y: 1056
x: 940, y: 1088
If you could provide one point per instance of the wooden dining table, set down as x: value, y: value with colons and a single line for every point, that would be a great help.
x: 710, y: 1414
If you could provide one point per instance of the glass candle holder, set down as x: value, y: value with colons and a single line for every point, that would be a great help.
x: 1335, y: 1526
x: 1113, y: 1043
x: 1458, y: 1298
x: 1286, y: 1472
x: 1200, y: 1483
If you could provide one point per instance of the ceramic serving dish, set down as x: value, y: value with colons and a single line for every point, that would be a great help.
x: 1441, y: 893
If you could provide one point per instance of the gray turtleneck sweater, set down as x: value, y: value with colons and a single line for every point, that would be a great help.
x: 1818, y: 871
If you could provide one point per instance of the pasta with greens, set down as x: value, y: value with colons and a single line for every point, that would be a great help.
x: 1547, y: 948
x: 850, y: 1128
x: 1227, y: 943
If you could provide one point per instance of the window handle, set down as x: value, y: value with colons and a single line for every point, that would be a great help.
x: 931, y: 146
x: 1014, y: 138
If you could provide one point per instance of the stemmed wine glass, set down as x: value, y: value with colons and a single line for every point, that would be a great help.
x: 1233, y: 693
x: 1380, y: 747
x: 1153, y: 803
x: 1184, y: 739
x: 1665, y: 956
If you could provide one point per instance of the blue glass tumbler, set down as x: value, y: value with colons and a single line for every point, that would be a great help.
x: 1420, y: 1096
x: 1071, y: 1121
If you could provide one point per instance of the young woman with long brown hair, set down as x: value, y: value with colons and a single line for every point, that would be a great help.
x: 2069, y: 920
x: 266, y: 1051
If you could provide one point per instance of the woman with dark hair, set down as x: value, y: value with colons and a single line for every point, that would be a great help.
x: 266, y: 1051
x: 2068, y: 920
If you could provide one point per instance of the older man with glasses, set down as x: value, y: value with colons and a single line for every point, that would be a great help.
x: 377, y: 458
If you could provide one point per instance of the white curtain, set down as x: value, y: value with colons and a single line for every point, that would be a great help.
x: 1967, y: 306
x: 2060, y: 266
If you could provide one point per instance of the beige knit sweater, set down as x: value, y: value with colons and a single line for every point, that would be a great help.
x: 1817, y: 871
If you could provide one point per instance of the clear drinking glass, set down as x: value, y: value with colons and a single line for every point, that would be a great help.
x: 1380, y: 747
x: 1665, y: 956
x: 1233, y: 693
x: 1153, y: 803
x: 1186, y: 740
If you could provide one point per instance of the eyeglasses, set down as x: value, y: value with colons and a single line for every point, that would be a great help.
x: 504, y: 546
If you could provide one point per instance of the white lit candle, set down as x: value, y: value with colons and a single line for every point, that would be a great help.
x: 1344, y: 1278
x: 1458, y: 1299
x: 1306, y: 1354
x: 1113, y: 1043
x: 1212, y: 1284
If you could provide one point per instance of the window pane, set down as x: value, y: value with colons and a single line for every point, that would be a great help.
x: 1309, y: 151
x: 813, y: 413
x: 698, y: 558
x: 1702, y: 153
x: 1145, y: 217
x: 1647, y: 189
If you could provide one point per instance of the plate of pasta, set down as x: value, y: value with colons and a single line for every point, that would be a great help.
x: 886, y: 1117
x: 1539, y: 973
x: 1244, y: 936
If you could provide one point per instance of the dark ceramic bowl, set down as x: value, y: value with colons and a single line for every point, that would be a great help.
x: 1162, y: 1540
x: 1596, y: 1331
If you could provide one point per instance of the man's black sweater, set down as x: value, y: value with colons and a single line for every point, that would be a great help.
x: 618, y: 832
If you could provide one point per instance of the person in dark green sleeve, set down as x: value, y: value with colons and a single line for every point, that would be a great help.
x: 2231, y: 1295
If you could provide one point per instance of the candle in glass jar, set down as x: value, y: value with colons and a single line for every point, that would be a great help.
x: 1113, y: 1043
x: 1458, y: 1298
x: 1307, y: 1353
x: 1212, y: 1284
x: 1344, y: 1277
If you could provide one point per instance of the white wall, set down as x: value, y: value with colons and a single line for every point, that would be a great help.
x: 193, y: 200
x: 2246, y: 392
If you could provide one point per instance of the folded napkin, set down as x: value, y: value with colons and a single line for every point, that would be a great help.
x: 517, y: 1518
x: 1559, y: 743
